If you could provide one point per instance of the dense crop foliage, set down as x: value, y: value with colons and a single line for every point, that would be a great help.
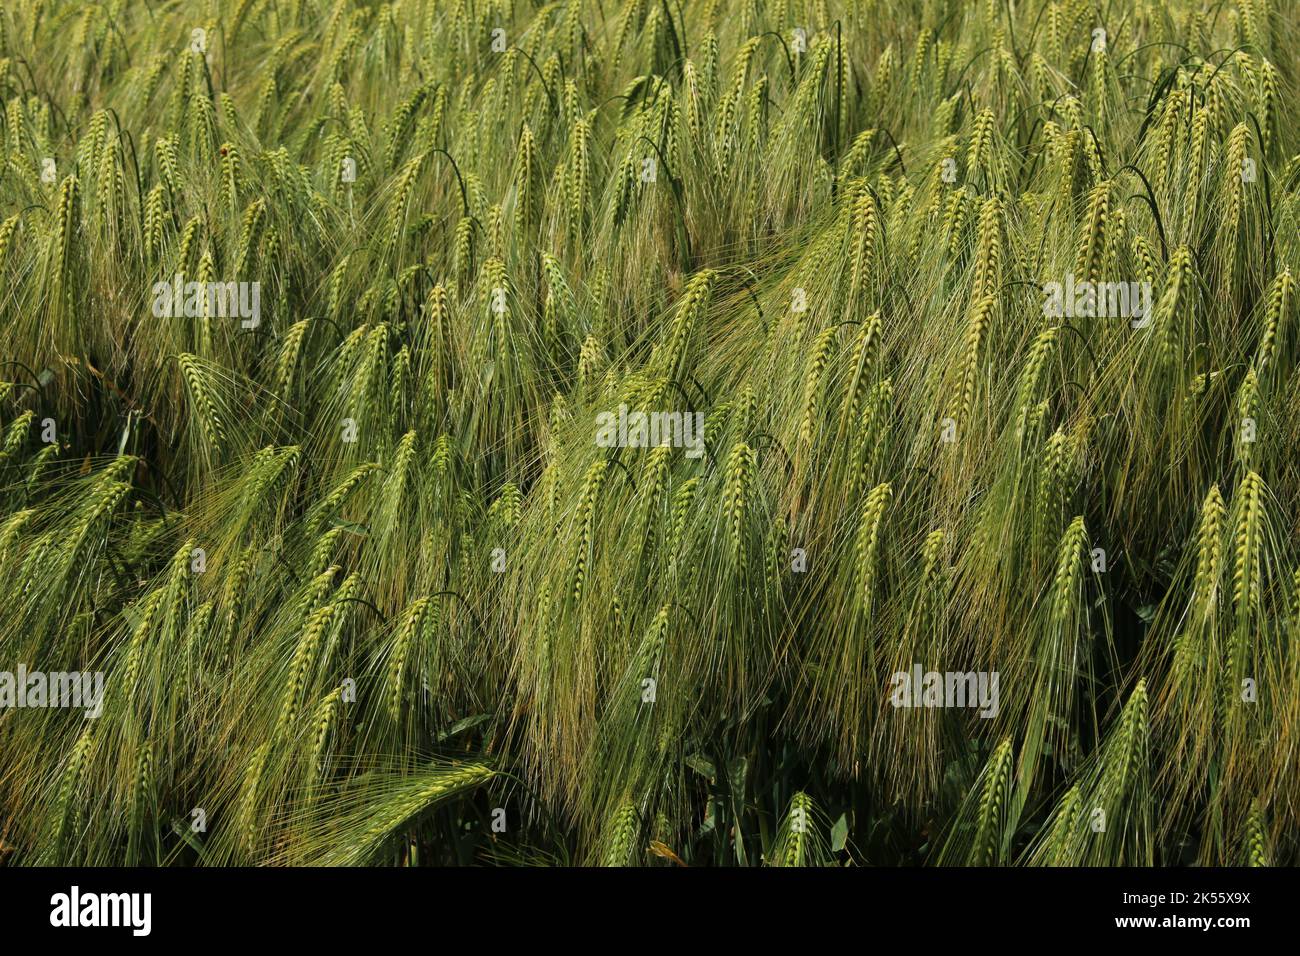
x: 365, y: 585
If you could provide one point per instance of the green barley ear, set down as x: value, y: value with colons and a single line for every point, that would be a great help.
x: 800, y: 838
x: 249, y: 233
x: 626, y: 193
x: 1092, y: 240
x: 403, y: 121
x: 1235, y: 198
x: 317, y: 587
x: 1170, y: 309
x: 1125, y: 759
x: 310, y: 644
x: 201, y: 122
x: 141, y: 802
x: 1166, y: 135
x: 149, y: 612
x: 863, y: 231
x: 1256, y: 837
x: 653, y: 490
x: 1209, y: 552
x: 813, y: 385
x: 199, y: 388
x: 1065, y: 829
x: 620, y: 837
x: 526, y: 185
x: 865, y: 367
x: 206, y: 274
x: 592, y: 485
x: 868, y: 540
x: 1039, y: 353
x: 231, y: 174
x: 1247, y: 542
x: 324, y: 721
x: 68, y: 809
x: 673, y: 359
x: 1281, y: 294
x: 7, y: 230
x: 579, y: 180
x: 287, y: 362
x: 933, y: 579
x: 153, y: 224
x: 591, y: 362
x: 737, y: 497
x: 1268, y: 96
x: 408, y: 629
x: 981, y: 315
x: 979, y: 153
x: 68, y: 223
x: 794, y: 852
x: 398, y: 205
x: 234, y: 596
x: 1248, y: 419
x: 330, y: 504
x: 988, y: 845
x: 249, y: 812
x: 41, y: 463
x: 168, y: 164
x: 1198, y: 165
x: 16, y: 434
x: 1069, y: 571
x: 378, y: 807
x: 683, y: 504
x: 189, y: 241
x: 988, y: 251
x: 981, y: 832
x: 558, y: 313
x: 858, y: 152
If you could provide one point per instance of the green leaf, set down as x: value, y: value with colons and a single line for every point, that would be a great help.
x: 703, y: 766
x: 460, y: 726
x: 840, y: 833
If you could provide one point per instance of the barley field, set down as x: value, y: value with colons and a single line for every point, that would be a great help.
x: 650, y: 433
